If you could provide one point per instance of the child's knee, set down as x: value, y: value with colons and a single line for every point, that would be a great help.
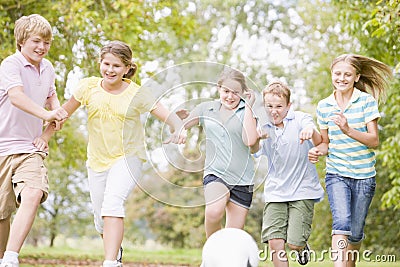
x: 30, y: 196
x: 213, y: 214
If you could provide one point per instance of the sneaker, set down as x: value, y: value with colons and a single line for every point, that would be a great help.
x: 9, y: 264
x: 111, y: 264
x: 119, y: 256
x: 303, y: 256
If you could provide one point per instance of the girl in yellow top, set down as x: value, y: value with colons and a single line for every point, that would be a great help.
x: 116, y: 142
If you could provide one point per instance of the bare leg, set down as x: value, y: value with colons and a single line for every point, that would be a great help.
x: 235, y: 215
x: 278, y: 253
x: 339, y: 250
x: 353, y: 250
x: 23, y: 220
x: 112, y: 236
x: 4, y: 232
x: 216, y: 196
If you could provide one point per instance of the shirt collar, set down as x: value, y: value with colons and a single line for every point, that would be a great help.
x: 27, y: 63
x: 354, y: 97
x: 216, y: 107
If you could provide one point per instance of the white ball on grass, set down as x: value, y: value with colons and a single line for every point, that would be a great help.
x: 230, y: 247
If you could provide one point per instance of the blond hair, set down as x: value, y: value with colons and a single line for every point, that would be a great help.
x: 277, y: 88
x: 374, y: 75
x: 28, y: 26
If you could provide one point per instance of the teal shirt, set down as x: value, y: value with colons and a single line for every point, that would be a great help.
x: 226, y: 155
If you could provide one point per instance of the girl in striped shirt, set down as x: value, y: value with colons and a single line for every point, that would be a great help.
x: 348, y: 120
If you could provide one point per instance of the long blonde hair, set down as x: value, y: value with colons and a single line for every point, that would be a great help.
x: 375, y: 76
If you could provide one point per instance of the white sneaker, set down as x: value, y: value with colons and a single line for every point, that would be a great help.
x: 9, y: 264
x: 111, y: 264
x: 119, y: 256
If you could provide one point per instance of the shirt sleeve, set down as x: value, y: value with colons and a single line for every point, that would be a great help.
x: 81, y: 92
x: 371, y: 111
x: 321, y: 120
x: 306, y: 121
x: 10, y: 74
x: 200, y: 111
x: 50, y: 68
x: 144, y: 100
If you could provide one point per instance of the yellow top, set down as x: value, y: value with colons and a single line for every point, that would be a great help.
x: 114, y: 125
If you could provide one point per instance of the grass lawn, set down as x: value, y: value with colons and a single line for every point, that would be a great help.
x: 92, y: 256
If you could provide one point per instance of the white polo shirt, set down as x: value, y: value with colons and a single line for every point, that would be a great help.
x: 290, y: 175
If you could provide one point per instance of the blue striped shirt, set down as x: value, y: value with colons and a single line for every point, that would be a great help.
x: 347, y: 156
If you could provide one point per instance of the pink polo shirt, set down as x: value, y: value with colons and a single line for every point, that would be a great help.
x: 18, y: 129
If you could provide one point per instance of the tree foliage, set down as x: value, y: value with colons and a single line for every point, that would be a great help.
x: 291, y: 40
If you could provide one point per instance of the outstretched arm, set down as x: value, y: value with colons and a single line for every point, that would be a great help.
x: 321, y: 149
x: 71, y: 105
x: 42, y: 142
x: 20, y: 100
x: 190, y: 119
x: 174, y: 122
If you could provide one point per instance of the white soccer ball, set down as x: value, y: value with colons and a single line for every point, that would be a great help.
x: 230, y: 247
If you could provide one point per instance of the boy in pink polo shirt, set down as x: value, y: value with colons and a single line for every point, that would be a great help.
x: 27, y: 98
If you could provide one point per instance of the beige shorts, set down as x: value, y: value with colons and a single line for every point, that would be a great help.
x: 19, y: 171
x: 290, y: 221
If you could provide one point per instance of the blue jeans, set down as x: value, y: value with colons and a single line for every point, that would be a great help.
x: 349, y: 200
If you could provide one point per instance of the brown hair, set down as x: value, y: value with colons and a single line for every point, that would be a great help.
x: 374, y: 75
x: 123, y: 52
x: 278, y: 88
x: 27, y: 26
x: 232, y: 74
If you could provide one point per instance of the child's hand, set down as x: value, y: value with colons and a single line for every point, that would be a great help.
x: 177, y: 137
x: 262, y: 133
x: 250, y: 97
x: 183, y: 113
x: 306, y: 134
x: 341, y: 121
x: 313, y: 154
x: 58, y: 114
x: 57, y: 125
x: 41, y: 144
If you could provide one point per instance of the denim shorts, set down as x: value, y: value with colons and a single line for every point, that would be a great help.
x: 349, y: 200
x: 241, y: 195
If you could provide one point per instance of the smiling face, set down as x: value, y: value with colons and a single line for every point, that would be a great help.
x: 276, y: 107
x: 112, y: 69
x: 344, y: 76
x: 35, y: 48
x: 230, y: 92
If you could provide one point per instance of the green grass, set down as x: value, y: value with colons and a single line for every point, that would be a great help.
x: 187, y: 257
x: 139, y: 255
